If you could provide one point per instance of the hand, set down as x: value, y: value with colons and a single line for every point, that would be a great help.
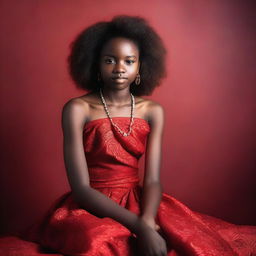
x: 150, y: 242
x: 150, y: 221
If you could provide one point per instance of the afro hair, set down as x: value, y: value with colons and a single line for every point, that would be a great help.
x: 83, y: 61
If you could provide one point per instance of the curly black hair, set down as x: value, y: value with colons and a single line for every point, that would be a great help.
x: 83, y: 61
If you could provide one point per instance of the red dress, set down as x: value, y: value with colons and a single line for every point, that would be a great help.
x: 113, y: 167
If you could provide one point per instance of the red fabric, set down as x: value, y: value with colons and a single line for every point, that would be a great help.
x: 113, y: 167
x: 14, y: 246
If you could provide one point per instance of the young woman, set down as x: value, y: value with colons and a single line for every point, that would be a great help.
x: 106, y: 131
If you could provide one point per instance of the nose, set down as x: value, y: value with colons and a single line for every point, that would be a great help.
x: 119, y: 68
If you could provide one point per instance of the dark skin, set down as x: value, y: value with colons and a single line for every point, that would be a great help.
x: 119, y: 55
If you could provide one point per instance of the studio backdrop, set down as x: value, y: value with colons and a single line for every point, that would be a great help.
x: 209, y: 141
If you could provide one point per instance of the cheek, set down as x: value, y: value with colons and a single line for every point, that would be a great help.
x: 105, y: 69
x: 132, y: 71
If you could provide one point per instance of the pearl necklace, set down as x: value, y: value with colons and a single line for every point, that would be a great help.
x: 115, y: 125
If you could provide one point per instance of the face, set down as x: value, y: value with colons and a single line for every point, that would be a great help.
x: 119, y: 57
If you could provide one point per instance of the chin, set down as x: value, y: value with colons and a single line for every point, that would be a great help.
x: 118, y: 86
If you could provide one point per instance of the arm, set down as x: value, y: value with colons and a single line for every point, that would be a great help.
x: 152, y: 189
x: 95, y: 202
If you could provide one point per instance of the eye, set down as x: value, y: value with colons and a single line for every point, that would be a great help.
x: 109, y: 61
x: 130, y: 61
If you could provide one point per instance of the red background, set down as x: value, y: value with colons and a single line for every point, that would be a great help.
x: 208, y: 96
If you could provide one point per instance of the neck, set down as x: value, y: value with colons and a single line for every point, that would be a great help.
x: 117, y: 97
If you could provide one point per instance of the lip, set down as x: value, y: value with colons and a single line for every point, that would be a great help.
x: 118, y: 77
x: 119, y: 80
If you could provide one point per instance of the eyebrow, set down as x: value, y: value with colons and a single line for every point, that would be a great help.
x: 129, y: 56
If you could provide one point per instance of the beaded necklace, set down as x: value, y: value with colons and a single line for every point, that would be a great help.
x: 110, y: 118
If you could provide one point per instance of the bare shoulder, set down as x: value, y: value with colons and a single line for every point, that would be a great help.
x: 153, y: 111
x: 74, y: 105
x: 75, y: 112
x: 81, y: 103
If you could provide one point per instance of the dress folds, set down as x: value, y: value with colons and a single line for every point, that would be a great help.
x: 112, y: 161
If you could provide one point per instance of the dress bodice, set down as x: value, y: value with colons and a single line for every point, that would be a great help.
x: 112, y: 158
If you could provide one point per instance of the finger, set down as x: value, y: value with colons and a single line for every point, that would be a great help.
x: 157, y: 227
x: 164, y: 252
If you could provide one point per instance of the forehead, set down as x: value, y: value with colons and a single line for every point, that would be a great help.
x: 120, y: 46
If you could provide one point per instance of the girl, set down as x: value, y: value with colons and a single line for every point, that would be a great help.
x: 106, y: 131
